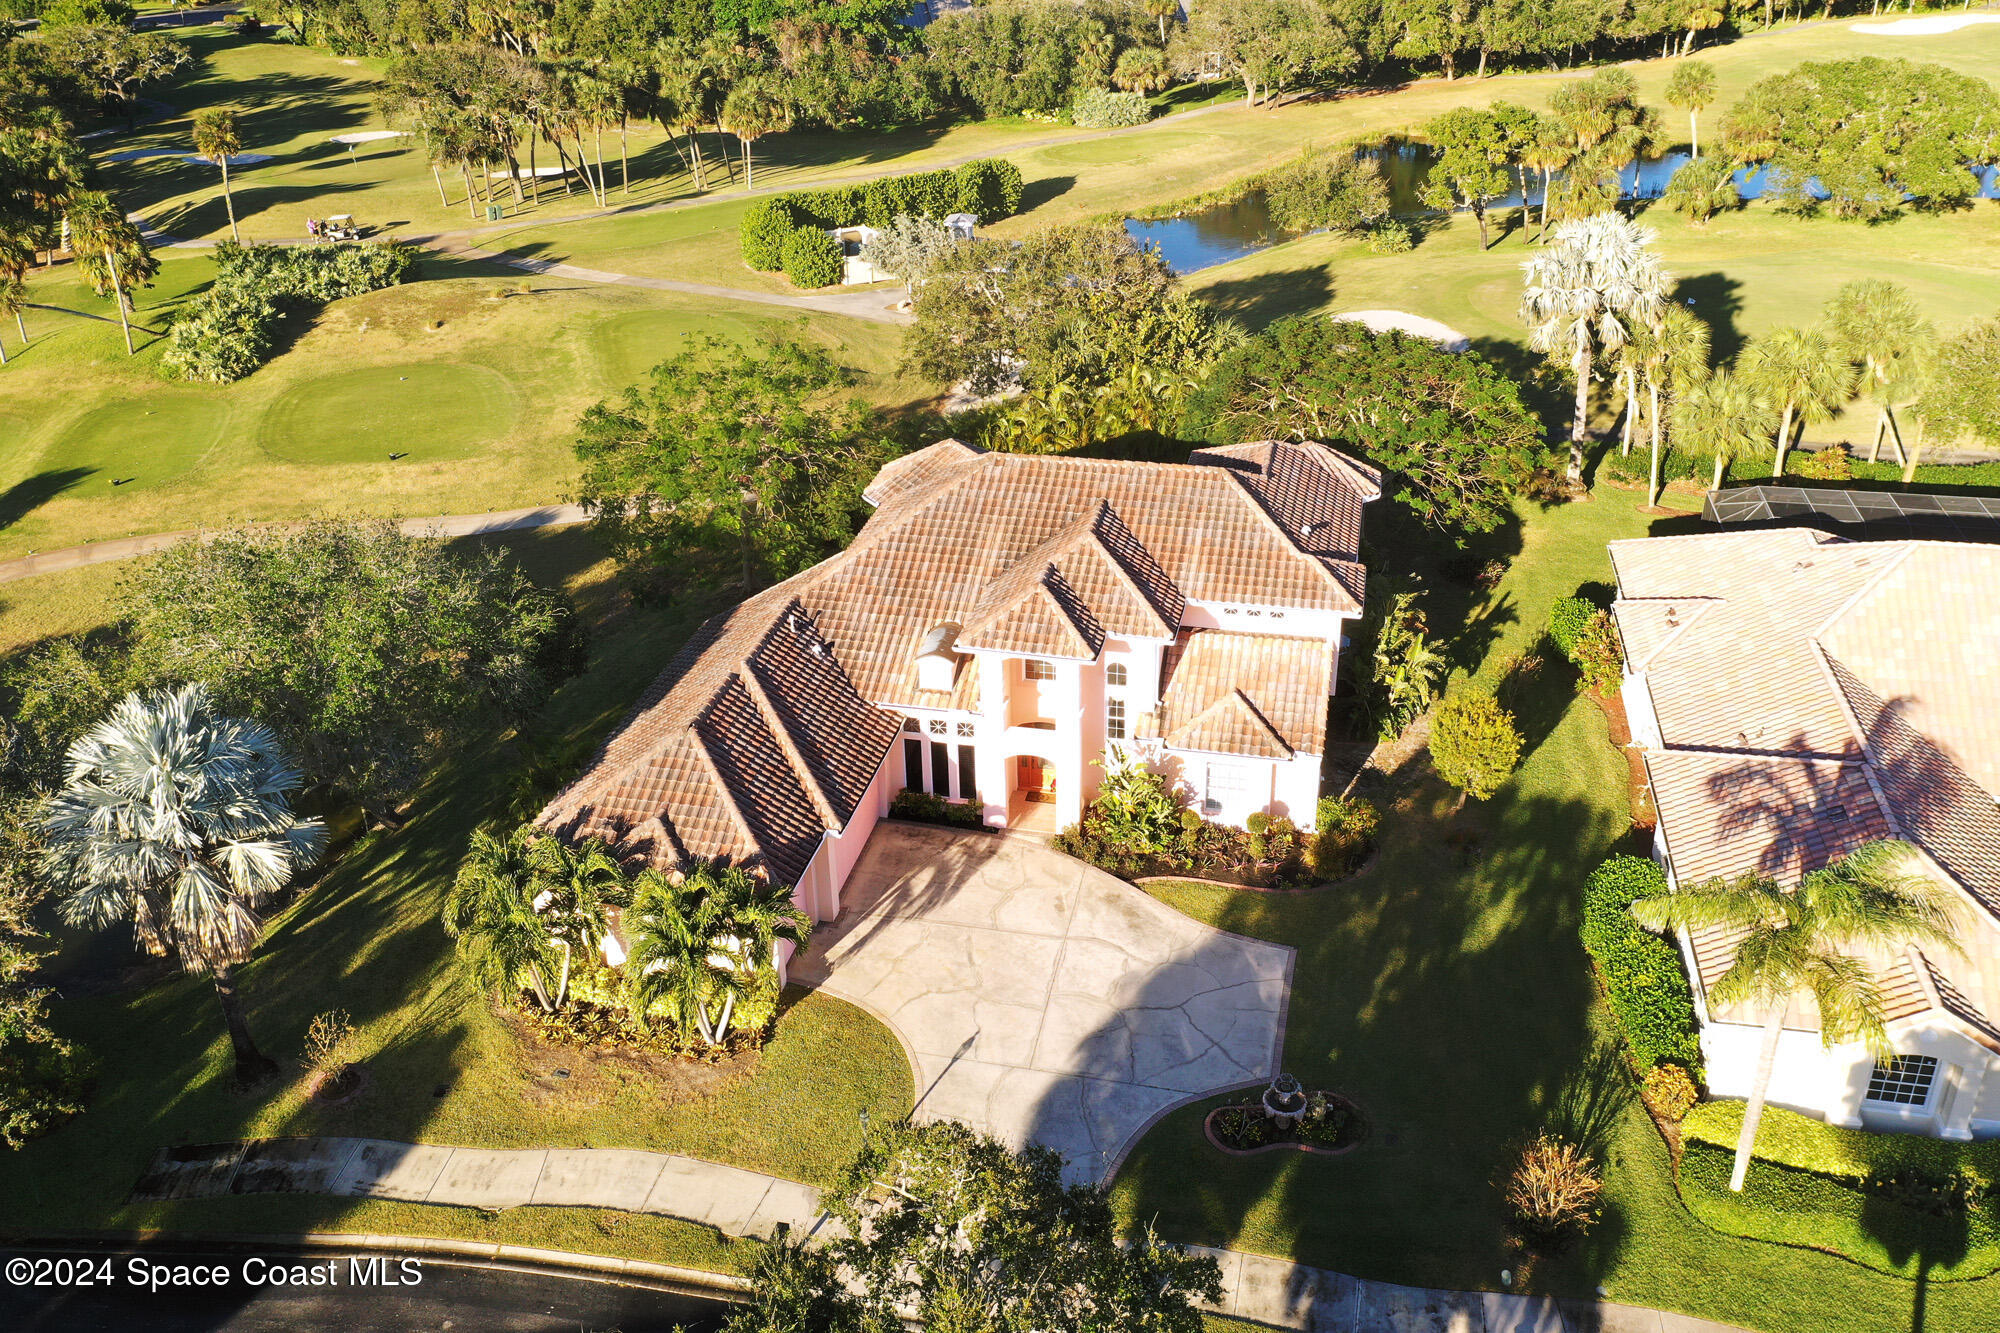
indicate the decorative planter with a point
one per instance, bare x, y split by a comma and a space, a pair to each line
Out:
1359, 1123
1285, 1101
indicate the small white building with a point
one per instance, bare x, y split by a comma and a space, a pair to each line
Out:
1002, 627
1798, 695
853, 240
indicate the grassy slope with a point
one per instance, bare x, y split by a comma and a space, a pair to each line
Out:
365, 938
484, 404
1459, 943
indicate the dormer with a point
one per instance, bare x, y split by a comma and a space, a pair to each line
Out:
937, 658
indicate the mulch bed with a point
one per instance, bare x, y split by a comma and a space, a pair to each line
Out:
1645, 815
1357, 1132
585, 1075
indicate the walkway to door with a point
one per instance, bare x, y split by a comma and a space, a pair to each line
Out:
1041, 999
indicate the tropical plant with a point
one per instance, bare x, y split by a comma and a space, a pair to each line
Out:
1962, 396
1700, 189
1583, 297
1669, 355
1800, 376
1796, 942
1161, 11
1691, 87
1407, 667
1719, 416
217, 138
114, 255
1545, 148
177, 818
703, 941
753, 109
1554, 1190
502, 940
1143, 69
1877, 323
1474, 745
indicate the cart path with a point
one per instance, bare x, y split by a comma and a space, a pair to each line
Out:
736, 1202
443, 525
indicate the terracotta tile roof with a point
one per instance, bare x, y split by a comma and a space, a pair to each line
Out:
1826, 693
1255, 694
764, 733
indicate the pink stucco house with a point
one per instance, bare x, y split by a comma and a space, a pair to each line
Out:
1001, 622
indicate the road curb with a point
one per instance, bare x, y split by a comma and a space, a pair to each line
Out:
670, 1278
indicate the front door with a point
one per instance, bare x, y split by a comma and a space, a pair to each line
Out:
1035, 779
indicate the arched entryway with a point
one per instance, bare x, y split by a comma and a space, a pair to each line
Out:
1032, 794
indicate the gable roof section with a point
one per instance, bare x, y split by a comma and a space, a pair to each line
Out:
1252, 694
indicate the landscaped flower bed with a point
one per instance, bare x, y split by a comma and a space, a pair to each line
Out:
1330, 1124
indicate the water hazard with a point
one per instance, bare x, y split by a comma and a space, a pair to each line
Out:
1229, 231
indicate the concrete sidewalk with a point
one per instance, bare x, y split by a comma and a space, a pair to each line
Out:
1263, 1290
444, 525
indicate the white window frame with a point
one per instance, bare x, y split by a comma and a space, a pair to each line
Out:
1895, 1083
1034, 668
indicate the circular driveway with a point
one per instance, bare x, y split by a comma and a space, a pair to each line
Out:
1042, 1000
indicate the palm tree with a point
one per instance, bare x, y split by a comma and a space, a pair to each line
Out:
1583, 296
217, 139
1691, 87
1161, 11
1669, 355
1546, 149
13, 300
1700, 190
1141, 69
1801, 376
754, 108
572, 887
674, 956
502, 939
1795, 942
1720, 416
755, 914
178, 819
111, 248
16, 258
1876, 323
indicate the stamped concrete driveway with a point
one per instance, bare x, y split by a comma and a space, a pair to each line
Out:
1042, 1000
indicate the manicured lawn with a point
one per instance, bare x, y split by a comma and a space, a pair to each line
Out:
477, 375
1444, 990
444, 1068
71, 602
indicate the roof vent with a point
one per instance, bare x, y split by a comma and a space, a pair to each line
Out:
819, 648
1674, 616
1307, 529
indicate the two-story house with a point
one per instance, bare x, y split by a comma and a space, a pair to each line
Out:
1798, 695
1001, 626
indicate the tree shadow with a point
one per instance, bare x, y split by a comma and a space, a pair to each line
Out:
1044, 188
31, 493
1717, 300
1537, 687
1261, 298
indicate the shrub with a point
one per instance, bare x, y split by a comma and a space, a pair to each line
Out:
1392, 237
1136, 825
1344, 838
1599, 655
1568, 618
329, 1043
226, 332
929, 808
767, 224
1337, 191
1100, 108
812, 258
1644, 984
989, 188
1554, 1191
1828, 464
1474, 745
1671, 1090
1791, 1139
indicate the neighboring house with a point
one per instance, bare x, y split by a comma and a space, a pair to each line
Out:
999, 622
1799, 695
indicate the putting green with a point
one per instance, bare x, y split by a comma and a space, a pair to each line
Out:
628, 346
1121, 148
137, 446
429, 411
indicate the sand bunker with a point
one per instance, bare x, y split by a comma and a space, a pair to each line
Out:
1924, 27
1380, 321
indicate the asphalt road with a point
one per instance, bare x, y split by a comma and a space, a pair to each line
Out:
361, 1293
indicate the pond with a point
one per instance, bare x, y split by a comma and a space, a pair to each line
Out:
1223, 232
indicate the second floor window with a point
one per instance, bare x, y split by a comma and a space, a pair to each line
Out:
1114, 719
1116, 674
1036, 670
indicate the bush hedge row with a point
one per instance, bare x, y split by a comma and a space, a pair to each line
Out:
988, 188
1795, 1140
1643, 980
226, 332
1900, 1226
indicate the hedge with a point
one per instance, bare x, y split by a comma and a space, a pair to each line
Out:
813, 259
1796, 1140
1567, 620
226, 332
989, 189
1901, 1227
1643, 980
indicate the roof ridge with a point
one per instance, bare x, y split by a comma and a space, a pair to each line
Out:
766, 706
1707, 604
1044, 584
1106, 511
1257, 505
1235, 700
727, 798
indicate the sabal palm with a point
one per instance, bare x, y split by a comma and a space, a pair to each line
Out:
1585, 294
1547, 149
1668, 355
753, 109
217, 138
13, 300
1802, 378
1699, 190
1877, 324
98, 232
490, 912
1797, 942
178, 818
1721, 417
1161, 11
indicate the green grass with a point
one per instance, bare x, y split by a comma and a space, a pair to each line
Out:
479, 375
445, 1069
1445, 991
70, 602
